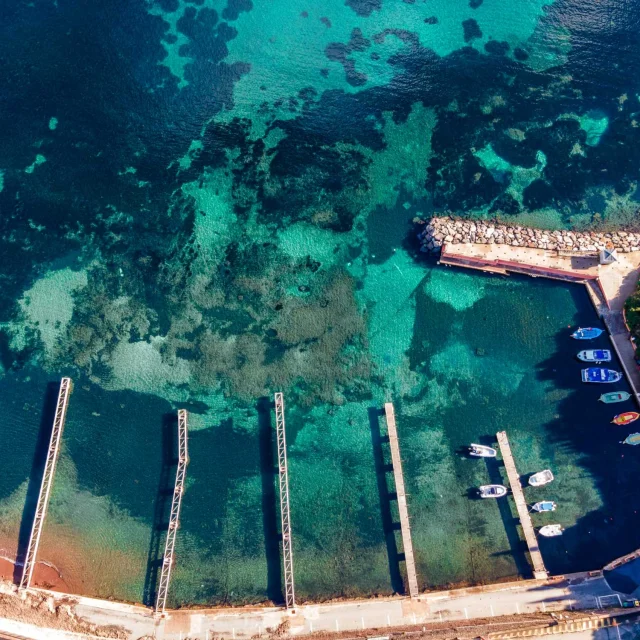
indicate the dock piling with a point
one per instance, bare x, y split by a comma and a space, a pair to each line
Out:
539, 570
66, 387
405, 527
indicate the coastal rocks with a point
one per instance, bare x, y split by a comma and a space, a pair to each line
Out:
444, 229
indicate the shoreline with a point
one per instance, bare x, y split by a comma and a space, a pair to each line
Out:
508, 601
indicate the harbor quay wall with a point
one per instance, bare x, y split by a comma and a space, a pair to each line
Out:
440, 230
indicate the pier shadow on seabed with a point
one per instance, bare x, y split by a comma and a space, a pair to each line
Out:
383, 467
35, 476
162, 507
270, 516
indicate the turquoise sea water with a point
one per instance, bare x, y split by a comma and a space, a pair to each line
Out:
213, 201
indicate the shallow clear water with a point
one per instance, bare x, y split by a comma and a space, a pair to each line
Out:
214, 201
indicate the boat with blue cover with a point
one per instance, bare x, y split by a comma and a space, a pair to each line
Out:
544, 506
595, 355
587, 333
597, 374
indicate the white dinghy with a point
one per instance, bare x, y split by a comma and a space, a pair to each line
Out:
551, 530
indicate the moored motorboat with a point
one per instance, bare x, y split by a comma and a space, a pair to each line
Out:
614, 396
588, 333
626, 418
633, 439
492, 491
541, 478
544, 506
551, 530
597, 374
595, 355
481, 451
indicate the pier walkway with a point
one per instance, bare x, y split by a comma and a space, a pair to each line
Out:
174, 518
402, 500
539, 570
351, 618
66, 387
287, 546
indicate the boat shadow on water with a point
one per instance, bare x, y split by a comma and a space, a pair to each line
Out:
35, 476
605, 471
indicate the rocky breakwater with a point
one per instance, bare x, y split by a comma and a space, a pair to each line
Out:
433, 234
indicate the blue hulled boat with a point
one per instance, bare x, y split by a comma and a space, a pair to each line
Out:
597, 374
588, 333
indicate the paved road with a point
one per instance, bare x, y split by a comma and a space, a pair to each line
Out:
362, 617
522, 597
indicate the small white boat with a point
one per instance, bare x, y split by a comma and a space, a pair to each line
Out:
595, 355
551, 530
541, 478
492, 491
481, 451
544, 506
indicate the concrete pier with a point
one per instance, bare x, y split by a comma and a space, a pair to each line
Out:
539, 570
402, 500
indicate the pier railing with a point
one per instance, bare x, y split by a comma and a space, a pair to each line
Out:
47, 482
287, 549
174, 518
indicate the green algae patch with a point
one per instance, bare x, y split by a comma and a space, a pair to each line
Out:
461, 291
46, 309
303, 239
406, 156
40, 159
594, 124
140, 366
519, 178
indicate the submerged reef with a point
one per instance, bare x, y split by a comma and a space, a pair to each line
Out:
202, 203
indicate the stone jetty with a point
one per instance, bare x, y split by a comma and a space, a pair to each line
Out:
441, 230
